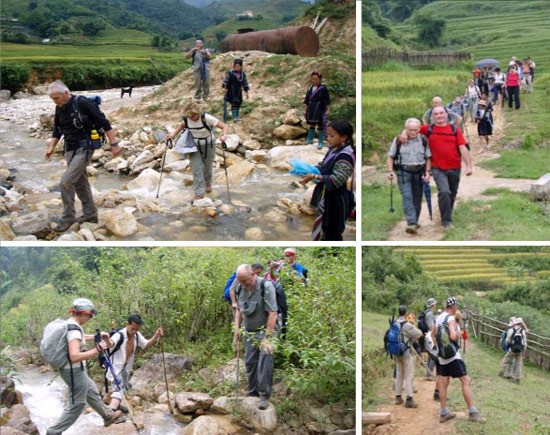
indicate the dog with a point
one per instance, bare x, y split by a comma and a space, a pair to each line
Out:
127, 90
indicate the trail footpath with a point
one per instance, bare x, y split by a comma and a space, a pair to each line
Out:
471, 188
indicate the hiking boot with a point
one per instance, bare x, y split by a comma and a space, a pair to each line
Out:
197, 197
208, 188
476, 417
436, 396
417, 225
92, 219
62, 227
113, 419
123, 409
398, 400
411, 229
515, 381
448, 416
410, 403
263, 403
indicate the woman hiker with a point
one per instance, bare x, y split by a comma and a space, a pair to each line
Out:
484, 119
201, 126
234, 83
331, 195
317, 103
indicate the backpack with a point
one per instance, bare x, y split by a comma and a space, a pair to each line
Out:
393, 339
228, 284
86, 123
53, 346
516, 343
280, 298
446, 348
503, 344
453, 133
397, 156
422, 322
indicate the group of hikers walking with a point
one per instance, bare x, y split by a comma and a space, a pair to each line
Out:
440, 336
81, 123
260, 318
436, 145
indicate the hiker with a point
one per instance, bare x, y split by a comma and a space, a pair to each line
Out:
331, 195
273, 269
452, 117
526, 68
446, 335
74, 373
257, 314
500, 80
123, 345
317, 102
456, 106
448, 146
201, 126
532, 66
484, 119
429, 321
412, 162
516, 339
507, 360
290, 261
512, 86
472, 94
200, 64
405, 363
234, 83
74, 118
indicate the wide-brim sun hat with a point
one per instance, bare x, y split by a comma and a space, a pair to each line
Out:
512, 321
430, 302
83, 304
518, 321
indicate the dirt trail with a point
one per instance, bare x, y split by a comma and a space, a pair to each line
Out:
471, 188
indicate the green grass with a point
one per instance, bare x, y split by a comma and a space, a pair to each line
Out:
510, 216
377, 221
520, 164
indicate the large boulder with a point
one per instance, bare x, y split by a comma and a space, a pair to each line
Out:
236, 173
232, 141
147, 183
6, 233
119, 222
188, 402
18, 417
289, 132
141, 162
4, 95
36, 223
263, 421
280, 155
9, 396
204, 425
291, 117
149, 374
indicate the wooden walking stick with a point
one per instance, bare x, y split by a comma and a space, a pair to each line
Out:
165, 376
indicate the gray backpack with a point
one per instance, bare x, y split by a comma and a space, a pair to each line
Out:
53, 346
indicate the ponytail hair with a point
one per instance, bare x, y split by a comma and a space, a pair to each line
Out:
343, 128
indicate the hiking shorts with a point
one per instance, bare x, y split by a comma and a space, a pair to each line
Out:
455, 369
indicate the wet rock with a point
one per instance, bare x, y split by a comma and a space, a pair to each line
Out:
285, 132
25, 239
6, 430
254, 234
291, 117
280, 155
149, 374
232, 141
163, 399
252, 144
236, 173
6, 233
87, 234
204, 425
91, 171
171, 157
257, 155
141, 161
9, 396
20, 95
18, 417
70, 237
5, 95
147, 183
192, 401
178, 166
119, 222
112, 165
36, 223
262, 421
204, 202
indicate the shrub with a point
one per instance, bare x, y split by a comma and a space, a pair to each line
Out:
14, 75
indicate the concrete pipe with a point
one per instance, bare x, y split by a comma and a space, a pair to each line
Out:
301, 40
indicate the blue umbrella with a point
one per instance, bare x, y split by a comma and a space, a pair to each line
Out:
487, 62
428, 195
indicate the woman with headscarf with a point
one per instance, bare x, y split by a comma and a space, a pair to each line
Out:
234, 83
317, 103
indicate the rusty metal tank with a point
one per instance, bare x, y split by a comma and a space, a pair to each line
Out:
300, 40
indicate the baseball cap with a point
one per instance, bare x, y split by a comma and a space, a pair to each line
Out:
289, 251
451, 302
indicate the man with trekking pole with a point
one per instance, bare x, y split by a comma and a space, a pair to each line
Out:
122, 347
257, 315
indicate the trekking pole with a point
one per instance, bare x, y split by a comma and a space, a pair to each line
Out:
168, 146
238, 363
224, 147
116, 380
422, 362
391, 196
165, 376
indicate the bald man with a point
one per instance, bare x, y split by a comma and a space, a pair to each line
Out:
452, 117
257, 314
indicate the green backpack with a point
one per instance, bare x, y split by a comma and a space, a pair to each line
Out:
446, 347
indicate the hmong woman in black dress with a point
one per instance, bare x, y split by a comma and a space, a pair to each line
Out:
331, 196
317, 103
234, 83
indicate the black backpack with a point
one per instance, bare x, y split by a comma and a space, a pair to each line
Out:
516, 343
280, 297
82, 121
422, 322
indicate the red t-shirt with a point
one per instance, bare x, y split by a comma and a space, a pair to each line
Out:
512, 79
444, 146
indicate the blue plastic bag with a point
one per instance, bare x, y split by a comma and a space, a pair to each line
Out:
301, 168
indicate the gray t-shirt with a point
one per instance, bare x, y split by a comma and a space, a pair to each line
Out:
255, 309
451, 116
411, 152
429, 319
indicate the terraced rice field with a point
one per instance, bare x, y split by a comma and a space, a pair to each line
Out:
448, 264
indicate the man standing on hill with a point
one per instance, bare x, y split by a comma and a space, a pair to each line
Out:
448, 146
200, 63
74, 119
447, 336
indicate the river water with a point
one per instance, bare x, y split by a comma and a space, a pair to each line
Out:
44, 397
257, 195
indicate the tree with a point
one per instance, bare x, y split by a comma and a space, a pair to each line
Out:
430, 29
220, 35
92, 28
